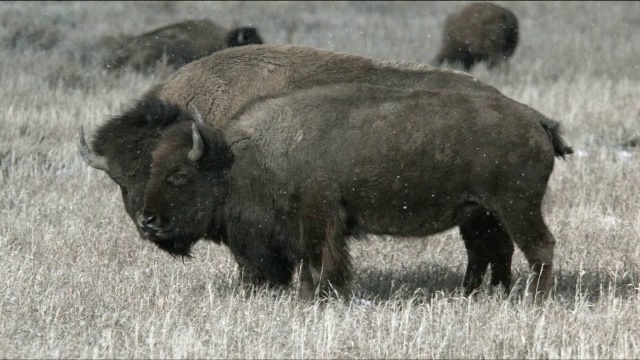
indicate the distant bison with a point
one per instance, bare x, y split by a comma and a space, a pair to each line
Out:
224, 83
301, 173
181, 43
480, 32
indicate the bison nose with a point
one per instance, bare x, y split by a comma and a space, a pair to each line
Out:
149, 221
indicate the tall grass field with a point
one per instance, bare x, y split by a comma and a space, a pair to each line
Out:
76, 280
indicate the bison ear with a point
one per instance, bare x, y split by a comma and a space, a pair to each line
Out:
196, 152
90, 157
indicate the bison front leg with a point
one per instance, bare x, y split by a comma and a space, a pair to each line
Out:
326, 268
487, 243
260, 254
265, 268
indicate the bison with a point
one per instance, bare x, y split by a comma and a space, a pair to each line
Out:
302, 172
480, 32
222, 84
181, 43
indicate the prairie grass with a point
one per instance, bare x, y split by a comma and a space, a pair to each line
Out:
77, 281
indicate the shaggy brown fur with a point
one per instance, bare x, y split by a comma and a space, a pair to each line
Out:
181, 43
346, 160
223, 83
480, 32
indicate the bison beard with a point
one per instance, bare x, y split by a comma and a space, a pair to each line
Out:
176, 246
172, 240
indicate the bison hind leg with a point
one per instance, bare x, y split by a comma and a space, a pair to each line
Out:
526, 226
487, 243
326, 268
329, 273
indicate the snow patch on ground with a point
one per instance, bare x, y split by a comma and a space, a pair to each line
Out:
363, 302
610, 221
621, 154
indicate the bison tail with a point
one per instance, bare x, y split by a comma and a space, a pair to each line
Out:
560, 148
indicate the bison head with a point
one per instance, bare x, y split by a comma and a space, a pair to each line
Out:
122, 147
187, 188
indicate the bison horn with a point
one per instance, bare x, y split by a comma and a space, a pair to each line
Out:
198, 146
196, 113
91, 158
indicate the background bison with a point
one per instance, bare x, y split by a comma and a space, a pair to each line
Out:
180, 43
297, 174
480, 32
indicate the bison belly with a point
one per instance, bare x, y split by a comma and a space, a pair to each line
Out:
399, 210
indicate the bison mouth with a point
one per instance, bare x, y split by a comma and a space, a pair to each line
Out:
174, 245
168, 240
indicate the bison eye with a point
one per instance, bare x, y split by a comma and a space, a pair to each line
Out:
178, 179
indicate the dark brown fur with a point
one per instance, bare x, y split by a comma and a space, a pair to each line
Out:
222, 84
346, 160
225, 82
181, 43
480, 32
126, 140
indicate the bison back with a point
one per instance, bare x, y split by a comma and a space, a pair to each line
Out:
399, 156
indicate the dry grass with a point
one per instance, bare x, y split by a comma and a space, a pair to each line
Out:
76, 281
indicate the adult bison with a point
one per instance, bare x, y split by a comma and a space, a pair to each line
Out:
222, 84
181, 43
480, 32
300, 173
